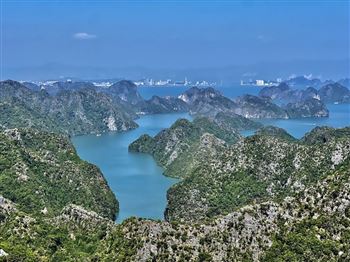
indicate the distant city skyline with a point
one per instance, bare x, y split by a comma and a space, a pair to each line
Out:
133, 39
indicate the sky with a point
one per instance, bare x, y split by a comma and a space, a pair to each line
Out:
162, 37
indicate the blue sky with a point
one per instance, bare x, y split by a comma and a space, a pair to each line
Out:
173, 34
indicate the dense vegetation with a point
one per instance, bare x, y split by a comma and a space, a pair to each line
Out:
177, 147
329, 93
268, 197
310, 223
42, 173
220, 177
81, 111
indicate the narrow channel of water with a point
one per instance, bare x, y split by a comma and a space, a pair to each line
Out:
136, 180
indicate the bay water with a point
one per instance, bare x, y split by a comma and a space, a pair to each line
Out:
137, 180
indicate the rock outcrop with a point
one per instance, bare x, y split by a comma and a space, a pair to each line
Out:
71, 112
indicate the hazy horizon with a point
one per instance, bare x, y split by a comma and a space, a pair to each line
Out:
217, 40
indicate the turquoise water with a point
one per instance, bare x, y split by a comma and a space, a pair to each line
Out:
135, 178
339, 116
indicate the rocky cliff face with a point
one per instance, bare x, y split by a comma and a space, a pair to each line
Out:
209, 102
126, 91
206, 101
307, 108
285, 200
71, 112
329, 93
255, 107
284, 93
259, 167
334, 93
159, 105
312, 225
268, 165
174, 148
235, 122
41, 173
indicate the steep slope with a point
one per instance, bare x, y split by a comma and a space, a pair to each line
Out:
251, 106
207, 101
14, 113
286, 94
258, 167
54, 87
329, 93
158, 105
86, 111
334, 93
31, 86
307, 108
41, 173
176, 148
312, 224
304, 104
279, 92
72, 112
125, 90
220, 178
235, 122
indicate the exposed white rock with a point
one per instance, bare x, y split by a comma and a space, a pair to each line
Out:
184, 98
6, 204
3, 253
13, 134
337, 156
111, 123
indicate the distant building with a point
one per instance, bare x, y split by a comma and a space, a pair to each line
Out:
260, 82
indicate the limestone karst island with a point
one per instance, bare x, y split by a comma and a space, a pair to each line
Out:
174, 131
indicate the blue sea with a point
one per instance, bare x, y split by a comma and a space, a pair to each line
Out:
136, 179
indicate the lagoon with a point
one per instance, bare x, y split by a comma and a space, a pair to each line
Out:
135, 178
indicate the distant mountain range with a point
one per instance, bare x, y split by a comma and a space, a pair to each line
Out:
301, 82
266, 197
83, 108
329, 93
74, 112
